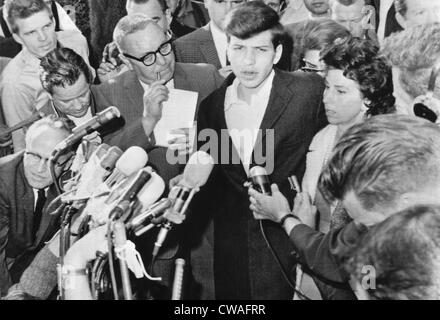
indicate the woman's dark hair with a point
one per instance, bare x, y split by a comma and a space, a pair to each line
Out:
359, 60
322, 33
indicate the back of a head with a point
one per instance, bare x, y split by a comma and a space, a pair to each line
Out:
251, 18
162, 3
404, 251
22, 9
414, 51
62, 67
319, 34
383, 158
361, 62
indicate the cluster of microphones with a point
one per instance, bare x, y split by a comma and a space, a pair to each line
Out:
108, 185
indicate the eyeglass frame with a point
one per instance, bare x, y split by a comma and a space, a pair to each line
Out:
47, 160
142, 59
309, 69
420, 109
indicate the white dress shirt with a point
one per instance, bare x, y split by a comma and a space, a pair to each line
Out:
244, 120
220, 42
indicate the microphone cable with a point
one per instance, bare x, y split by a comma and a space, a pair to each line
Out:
283, 271
110, 260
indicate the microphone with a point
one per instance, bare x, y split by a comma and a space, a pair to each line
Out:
131, 161
132, 190
195, 175
260, 180
120, 239
108, 161
93, 124
178, 280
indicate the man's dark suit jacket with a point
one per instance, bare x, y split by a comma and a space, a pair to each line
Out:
229, 257
197, 47
16, 220
391, 24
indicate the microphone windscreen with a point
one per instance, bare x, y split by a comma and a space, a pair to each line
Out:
132, 160
109, 160
257, 171
197, 170
151, 191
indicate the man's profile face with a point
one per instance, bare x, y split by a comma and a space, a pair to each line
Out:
37, 33
422, 12
37, 154
350, 16
73, 100
252, 59
317, 7
152, 10
217, 10
142, 42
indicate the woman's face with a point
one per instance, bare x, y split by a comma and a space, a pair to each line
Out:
342, 99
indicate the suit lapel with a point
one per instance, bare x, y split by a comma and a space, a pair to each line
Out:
280, 96
25, 216
134, 90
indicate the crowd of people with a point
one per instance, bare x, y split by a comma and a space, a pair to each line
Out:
339, 95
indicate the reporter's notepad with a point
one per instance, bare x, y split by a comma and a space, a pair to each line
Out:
177, 112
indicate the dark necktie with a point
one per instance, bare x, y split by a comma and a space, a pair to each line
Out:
38, 212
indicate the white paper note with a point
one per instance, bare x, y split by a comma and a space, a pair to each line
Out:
177, 112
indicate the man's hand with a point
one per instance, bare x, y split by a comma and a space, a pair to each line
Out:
303, 209
268, 207
153, 99
111, 63
182, 140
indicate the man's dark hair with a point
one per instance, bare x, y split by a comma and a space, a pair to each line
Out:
62, 67
162, 3
360, 61
404, 251
381, 159
22, 9
251, 18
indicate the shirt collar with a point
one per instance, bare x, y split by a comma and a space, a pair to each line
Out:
216, 32
263, 93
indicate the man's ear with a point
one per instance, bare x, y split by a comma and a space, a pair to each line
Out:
125, 61
17, 38
278, 53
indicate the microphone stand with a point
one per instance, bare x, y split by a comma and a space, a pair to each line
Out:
120, 239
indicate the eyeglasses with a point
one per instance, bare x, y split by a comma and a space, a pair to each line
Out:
150, 57
420, 109
310, 67
36, 159
232, 2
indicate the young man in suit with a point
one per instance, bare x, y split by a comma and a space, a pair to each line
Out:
26, 189
258, 111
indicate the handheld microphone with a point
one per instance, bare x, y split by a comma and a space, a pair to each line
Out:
131, 161
195, 175
108, 161
260, 180
132, 190
79, 132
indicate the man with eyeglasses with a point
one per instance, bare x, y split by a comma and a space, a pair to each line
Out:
208, 44
26, 189
140, 92
21, 92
